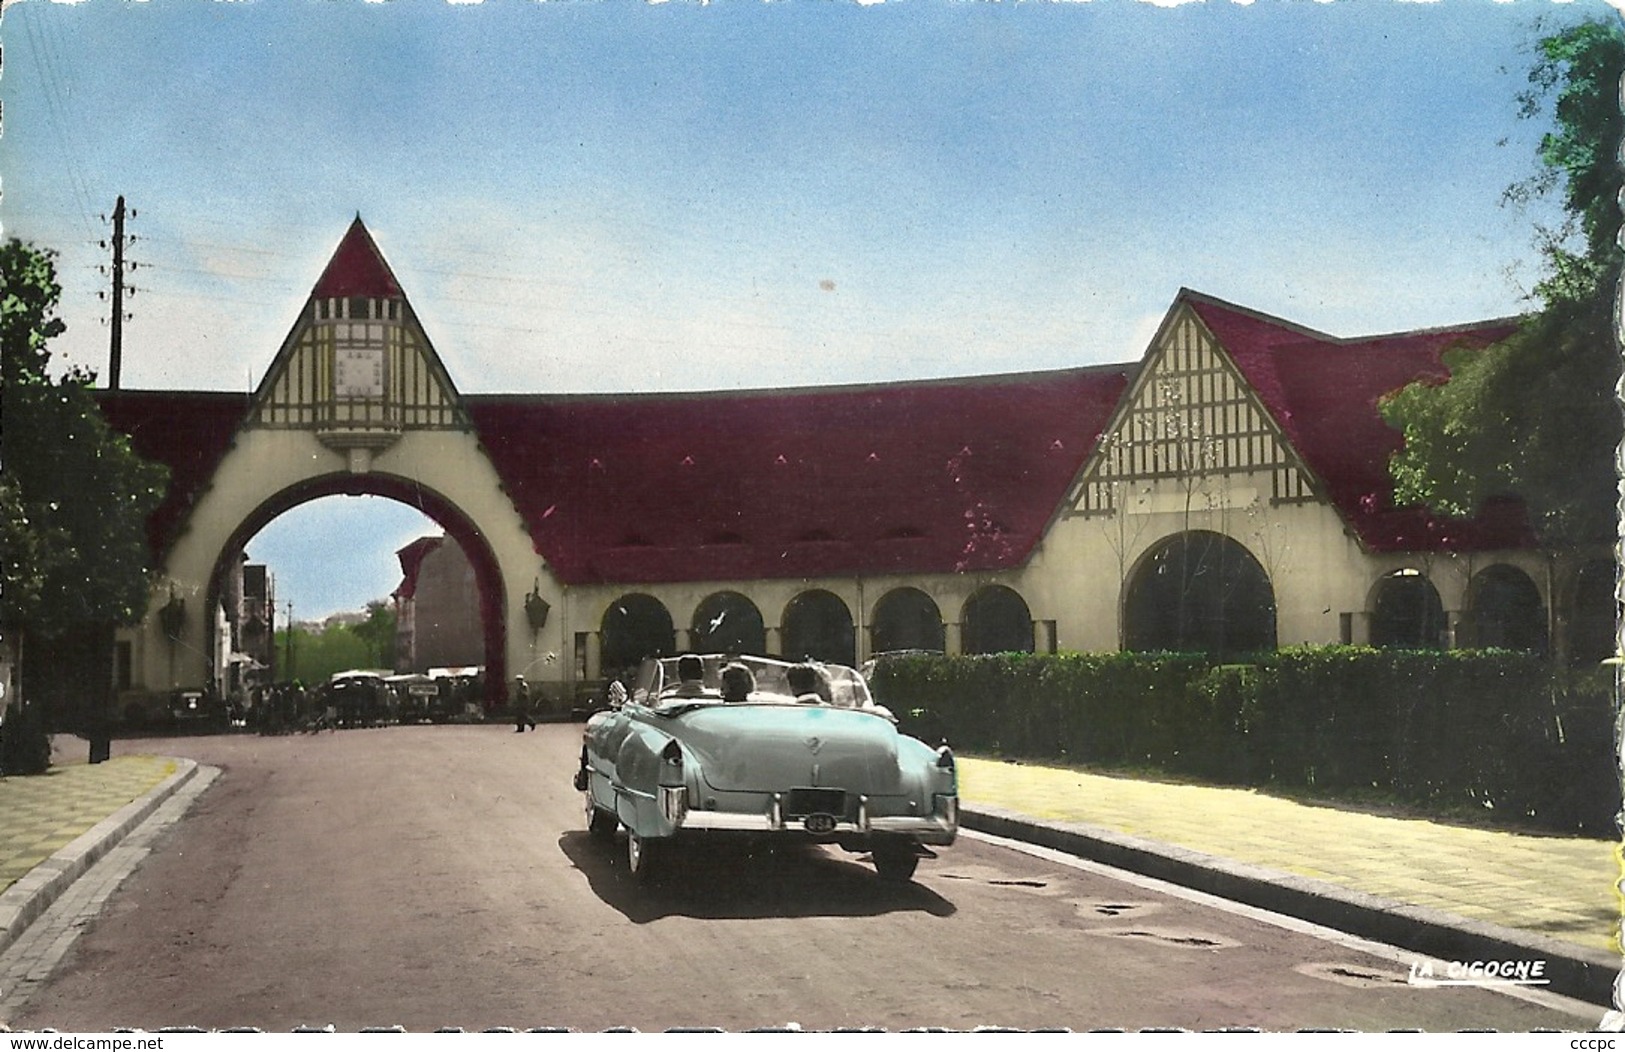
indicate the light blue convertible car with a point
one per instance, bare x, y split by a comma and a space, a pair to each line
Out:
713, 745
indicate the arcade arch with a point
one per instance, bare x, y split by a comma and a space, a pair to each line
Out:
1199, 591
818, 625
634, 627
728, 623
906, 619
1406, 612
1506, 610
996, 621
1592, 634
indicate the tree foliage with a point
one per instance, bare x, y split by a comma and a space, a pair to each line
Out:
1535, 417
316, 655
74, 498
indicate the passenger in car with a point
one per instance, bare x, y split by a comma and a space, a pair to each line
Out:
737, 682
803, 681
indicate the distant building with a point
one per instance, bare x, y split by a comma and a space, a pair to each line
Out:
437, 608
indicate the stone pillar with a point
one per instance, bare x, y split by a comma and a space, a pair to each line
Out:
774, 641
953, 637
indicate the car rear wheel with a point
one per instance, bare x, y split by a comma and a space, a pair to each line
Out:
896, 862
644, 858
600, 823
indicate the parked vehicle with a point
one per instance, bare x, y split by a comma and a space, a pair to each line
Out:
416, 697
675, 763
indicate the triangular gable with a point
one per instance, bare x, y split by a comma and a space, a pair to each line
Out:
1323, 392
357, 358
1190, 415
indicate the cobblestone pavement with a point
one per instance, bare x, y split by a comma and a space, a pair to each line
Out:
1560, 887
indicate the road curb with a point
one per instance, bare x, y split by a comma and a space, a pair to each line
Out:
1573, 971
23, 902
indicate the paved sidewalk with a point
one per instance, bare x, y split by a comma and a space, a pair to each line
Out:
1441, 885
55, 826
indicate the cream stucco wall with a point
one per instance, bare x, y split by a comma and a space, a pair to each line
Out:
264, 463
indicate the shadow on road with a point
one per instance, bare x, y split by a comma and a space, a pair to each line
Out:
733, 879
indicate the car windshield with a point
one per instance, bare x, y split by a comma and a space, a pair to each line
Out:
659, 684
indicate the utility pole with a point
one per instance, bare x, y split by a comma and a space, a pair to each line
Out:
116, 349
290, 630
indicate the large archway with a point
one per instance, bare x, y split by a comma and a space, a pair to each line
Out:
818, 625
996, 621
1202, 592
906, 619
487, 574
1507, 611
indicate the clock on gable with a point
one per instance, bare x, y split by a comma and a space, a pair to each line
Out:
358, 371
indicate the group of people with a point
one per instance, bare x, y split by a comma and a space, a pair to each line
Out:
739, 682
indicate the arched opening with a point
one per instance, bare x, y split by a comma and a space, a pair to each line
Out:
459, 529
1199, 592
997, 621
818, 625
906, 619
1506, 610
1595, 611
728, 623
1406, 612
634, 627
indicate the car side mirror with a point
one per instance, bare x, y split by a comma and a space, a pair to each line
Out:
617, 694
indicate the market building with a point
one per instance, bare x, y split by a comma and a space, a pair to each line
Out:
1227, 492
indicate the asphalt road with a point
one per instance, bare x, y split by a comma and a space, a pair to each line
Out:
441, 877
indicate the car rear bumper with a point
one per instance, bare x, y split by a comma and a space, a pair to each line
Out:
939, 827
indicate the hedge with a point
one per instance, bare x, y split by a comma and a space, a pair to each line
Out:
1497, 732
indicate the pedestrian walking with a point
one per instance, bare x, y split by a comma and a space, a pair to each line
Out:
521, 706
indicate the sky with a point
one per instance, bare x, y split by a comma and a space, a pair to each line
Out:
618, 196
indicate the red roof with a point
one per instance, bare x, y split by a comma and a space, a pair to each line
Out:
928, 477
357, 269
411, 558
1324, 391
921, 477
189, 431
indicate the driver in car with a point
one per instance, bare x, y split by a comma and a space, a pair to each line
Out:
803, 681
690, 679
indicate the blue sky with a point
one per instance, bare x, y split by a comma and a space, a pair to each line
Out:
620, 196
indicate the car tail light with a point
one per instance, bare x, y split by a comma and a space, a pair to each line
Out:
674, 803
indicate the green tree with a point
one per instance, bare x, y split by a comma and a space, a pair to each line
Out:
1534, 416
378, 632
74, 498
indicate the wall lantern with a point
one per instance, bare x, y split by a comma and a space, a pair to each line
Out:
172, 617
536, 608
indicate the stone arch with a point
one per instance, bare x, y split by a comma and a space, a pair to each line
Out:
1406, 612
1506, 610
634, 627
728, 623
817, 624
906, 619
1199, 591
996, 620
458, 526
